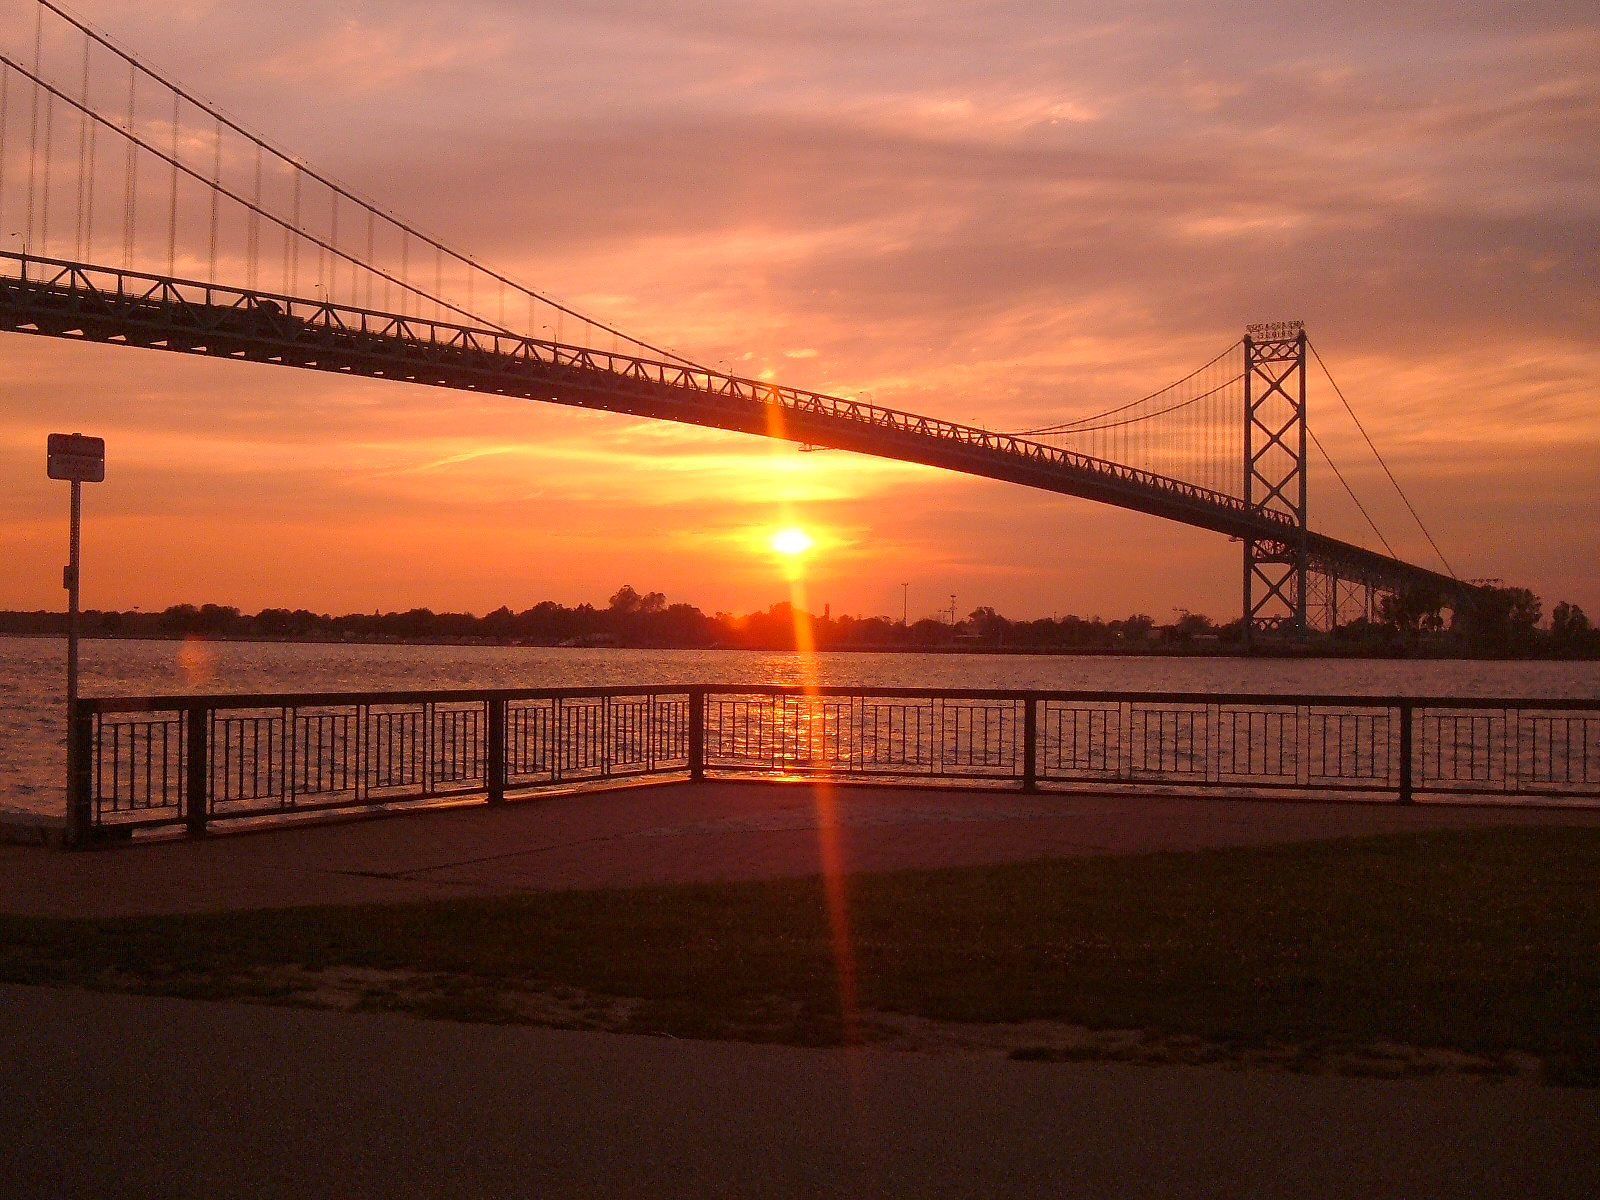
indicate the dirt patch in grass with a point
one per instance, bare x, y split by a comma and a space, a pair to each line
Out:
465, 998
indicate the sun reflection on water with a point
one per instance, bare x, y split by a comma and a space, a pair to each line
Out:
196, 661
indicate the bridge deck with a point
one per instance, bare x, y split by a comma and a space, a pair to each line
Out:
63, 299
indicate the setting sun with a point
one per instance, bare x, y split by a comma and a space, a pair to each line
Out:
792, 541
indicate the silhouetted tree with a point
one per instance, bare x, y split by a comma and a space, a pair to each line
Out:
1568, 623
1500, 620
1188, 626
180, 618
1412, 610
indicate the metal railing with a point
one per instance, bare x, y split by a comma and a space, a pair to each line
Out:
191, 760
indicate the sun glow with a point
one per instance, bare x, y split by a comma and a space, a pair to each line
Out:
791, 541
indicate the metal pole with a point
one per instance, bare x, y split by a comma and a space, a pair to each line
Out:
1030, 744
697, 734
494, 751
75, 803
1407, 753
196, 769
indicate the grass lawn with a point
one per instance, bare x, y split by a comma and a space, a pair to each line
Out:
1485, 942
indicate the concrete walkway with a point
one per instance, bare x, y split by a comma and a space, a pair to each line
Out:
117, 1096
113, 1096
674, 833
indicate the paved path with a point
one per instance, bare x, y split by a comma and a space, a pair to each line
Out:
117, 1096
113, 1096
678, 832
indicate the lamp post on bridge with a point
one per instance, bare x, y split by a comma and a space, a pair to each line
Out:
79, 460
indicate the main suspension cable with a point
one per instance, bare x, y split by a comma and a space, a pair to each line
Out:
1339, 475
1401, 491
1069, 426
1076, 427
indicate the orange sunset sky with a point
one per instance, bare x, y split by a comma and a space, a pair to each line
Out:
1005, 213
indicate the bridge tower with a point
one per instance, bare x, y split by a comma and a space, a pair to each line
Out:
1275, 571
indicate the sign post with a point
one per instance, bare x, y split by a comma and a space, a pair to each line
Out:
79, 460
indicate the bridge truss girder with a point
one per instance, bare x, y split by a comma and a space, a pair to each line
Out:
120, 307
1334, 599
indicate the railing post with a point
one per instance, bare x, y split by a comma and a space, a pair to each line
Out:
494, 751
196, 770
1030, 744
1406, 779
697, 734
80, 779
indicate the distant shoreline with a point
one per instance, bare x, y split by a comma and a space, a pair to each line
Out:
1154, 650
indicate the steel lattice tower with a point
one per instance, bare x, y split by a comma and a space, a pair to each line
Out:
1275, 582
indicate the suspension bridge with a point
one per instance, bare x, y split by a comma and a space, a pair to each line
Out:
139, 214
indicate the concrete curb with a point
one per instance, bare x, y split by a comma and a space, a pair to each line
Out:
32, 829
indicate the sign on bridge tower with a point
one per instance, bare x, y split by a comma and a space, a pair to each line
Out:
1275, 583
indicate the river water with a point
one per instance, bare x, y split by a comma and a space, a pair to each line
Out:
33, 679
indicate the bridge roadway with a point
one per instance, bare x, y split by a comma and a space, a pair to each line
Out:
57, 298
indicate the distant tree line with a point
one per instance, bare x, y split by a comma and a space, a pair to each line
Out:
1506, 622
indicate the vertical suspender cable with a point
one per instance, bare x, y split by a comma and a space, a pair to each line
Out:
1226, 459
1210, 434
172, 201
130, 178
1177, 437
291, 242
5, 124
333, 238
33, 130
44, 198
216, 179
371, 251
1213, 479
84, 125
88, 196
405, 273
1213, 475
253, 230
